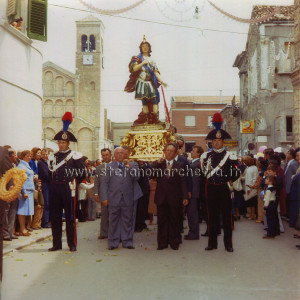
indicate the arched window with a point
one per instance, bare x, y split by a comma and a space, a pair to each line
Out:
59, 109
69, 89
84, 43
48, 84
92, 43
48, 109
50, 133
59, 86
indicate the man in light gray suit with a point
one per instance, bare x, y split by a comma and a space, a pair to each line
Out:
290, 170
137, 191
117, 191
99, 173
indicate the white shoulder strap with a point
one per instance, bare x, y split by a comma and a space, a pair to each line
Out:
69, 156
219, 166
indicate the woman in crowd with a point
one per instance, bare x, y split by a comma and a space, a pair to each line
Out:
26, 203
250, 195
257, 186
36, 156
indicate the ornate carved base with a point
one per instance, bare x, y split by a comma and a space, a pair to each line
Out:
147, 142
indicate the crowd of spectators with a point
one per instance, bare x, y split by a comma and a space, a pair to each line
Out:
267, 192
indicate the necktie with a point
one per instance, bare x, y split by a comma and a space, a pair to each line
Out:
169, 167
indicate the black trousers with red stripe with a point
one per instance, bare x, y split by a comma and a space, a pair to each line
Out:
61, 198
219, 203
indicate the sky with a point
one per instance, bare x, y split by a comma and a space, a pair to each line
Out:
194, 56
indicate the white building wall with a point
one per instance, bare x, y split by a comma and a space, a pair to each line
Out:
20, 87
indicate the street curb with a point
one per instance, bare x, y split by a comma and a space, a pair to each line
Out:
28, 244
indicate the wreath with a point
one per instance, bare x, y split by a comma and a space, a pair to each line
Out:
19, 177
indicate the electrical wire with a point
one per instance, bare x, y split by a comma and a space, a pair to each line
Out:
163, 23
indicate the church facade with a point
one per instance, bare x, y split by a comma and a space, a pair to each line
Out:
79, 93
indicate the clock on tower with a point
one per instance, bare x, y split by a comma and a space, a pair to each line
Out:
87, 59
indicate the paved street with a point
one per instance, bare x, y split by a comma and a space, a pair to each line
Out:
258, 268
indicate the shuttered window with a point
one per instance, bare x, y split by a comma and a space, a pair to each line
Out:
11, 7
13, 11
37, 19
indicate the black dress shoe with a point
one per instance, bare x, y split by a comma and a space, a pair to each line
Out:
130, 247
175, 247
6, 239
229, 249
204, 234
111, 248
186, 237
14, 237
54, 248
161, 248
73, 249
209, 247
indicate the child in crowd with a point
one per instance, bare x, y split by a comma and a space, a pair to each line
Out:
272, 170
91, 200
270, 206
38, 207
83, 187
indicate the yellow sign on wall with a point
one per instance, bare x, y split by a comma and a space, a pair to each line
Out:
231, 143
247, 126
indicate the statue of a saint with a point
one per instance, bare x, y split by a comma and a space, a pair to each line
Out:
145, 80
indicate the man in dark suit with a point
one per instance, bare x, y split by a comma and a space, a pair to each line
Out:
117, 191
5, 165
99, 173
192, 208
44, 176
170, 192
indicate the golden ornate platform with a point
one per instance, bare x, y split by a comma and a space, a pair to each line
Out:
147, 142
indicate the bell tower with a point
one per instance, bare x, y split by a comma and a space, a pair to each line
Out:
89, 65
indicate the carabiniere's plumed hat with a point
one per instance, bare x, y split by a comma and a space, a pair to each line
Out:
218, 133
64, 134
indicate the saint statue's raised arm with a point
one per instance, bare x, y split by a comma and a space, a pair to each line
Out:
145, 80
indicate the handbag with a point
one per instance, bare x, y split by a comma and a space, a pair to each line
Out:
237, 185
253, 192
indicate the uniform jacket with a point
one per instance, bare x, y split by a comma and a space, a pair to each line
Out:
289, 172
119, 183
229, 171
170, 189
73, 168
29, 183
